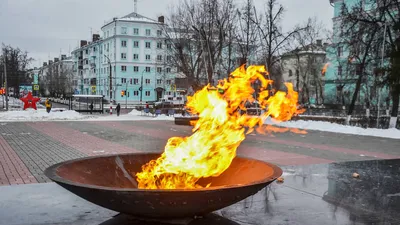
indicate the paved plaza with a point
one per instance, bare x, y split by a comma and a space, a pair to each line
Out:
27, 148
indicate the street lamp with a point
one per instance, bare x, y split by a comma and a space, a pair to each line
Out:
141, 87
109, 62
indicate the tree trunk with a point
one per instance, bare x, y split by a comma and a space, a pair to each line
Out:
354, 99
395, 108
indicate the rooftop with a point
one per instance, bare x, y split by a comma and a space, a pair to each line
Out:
133, 17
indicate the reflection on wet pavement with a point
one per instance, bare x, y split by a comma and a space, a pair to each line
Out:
315, 194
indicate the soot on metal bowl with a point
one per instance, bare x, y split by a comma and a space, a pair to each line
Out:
107, 181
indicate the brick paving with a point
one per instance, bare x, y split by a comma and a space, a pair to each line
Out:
35, 150
12, 169
26, 149
83, 142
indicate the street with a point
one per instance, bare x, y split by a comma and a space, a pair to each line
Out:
27, 148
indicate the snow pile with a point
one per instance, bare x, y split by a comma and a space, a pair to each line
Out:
134, 115
39, 115
15, 103
135, 112
338, 128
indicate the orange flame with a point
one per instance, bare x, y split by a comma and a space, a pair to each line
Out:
323, 71
217, 134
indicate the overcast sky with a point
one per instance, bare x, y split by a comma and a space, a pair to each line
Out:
47, 27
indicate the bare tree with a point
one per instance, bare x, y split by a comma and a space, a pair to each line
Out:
17, 64
272, 39
246, 35
310, 58
363, 47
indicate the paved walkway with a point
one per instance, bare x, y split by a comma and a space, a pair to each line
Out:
27, 148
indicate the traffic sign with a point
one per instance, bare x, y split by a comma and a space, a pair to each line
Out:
36, 87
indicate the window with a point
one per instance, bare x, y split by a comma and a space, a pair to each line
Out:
87, 51
290, 73
147, 93
339, 71
159, 45
148, 69
159, 69
169, 46
135, 56
135, 93
86, 62
159, 81
148, 45
123, 55
148, 32
147, 57
124, 30
169, 58
340, 51
135, 81
135, 69
123, 80
159, 32
168, 70
136, 44
123, 43
159, 57
136, 31
168, 82
147, 81
123, 68
94, 49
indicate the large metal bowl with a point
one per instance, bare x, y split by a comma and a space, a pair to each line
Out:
101, 181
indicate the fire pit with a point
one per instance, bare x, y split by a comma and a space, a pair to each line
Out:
108, 181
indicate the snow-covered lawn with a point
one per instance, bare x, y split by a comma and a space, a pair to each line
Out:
338, 128
39, 115
134, 115
70, 115
57, 115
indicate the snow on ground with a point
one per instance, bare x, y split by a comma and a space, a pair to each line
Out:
338, 128
40, 115
134, 115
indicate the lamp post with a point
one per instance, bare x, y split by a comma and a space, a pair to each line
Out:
5, 79
382, 63
141, 88
109, 62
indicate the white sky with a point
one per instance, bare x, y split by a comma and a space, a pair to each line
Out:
47, 27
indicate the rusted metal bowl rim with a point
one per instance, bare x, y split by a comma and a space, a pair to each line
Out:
51, 172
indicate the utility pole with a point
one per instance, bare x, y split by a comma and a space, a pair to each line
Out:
111, 101
126, 96
382, 64
141, 88
5, 78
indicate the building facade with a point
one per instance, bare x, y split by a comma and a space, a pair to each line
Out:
303, 67
134, 48
344, 66
55, 77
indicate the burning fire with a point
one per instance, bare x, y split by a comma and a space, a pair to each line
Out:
217, 134
323, 71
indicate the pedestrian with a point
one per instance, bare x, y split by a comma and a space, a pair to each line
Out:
118, 109
47, 103
91, 108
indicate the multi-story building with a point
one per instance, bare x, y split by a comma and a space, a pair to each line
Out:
303, 68
134, 48
345, 67
55, 77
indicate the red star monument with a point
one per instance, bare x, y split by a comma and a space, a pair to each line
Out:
30, 101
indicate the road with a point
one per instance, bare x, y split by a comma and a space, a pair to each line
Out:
27, 148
